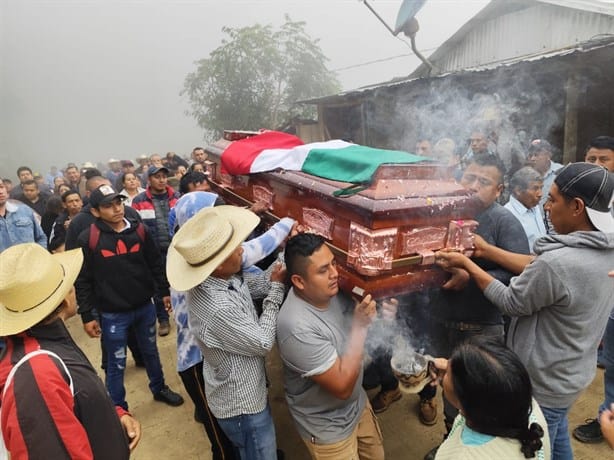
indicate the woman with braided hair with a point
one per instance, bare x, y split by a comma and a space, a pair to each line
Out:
498, 417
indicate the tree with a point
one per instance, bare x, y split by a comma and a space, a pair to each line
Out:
253, 79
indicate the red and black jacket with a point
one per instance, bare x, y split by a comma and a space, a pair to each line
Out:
40, 416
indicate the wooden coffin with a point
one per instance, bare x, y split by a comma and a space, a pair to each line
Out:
383, 237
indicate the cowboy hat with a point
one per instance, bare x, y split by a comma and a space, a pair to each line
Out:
204, 242
33, 283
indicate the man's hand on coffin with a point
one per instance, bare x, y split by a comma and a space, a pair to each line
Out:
458, 281
389, 309
278, 273
365, 311
449, 259
480, 247
259, 207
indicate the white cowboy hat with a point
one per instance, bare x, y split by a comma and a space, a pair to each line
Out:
204, 242
33, 283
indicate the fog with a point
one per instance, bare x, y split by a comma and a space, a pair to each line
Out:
89, 80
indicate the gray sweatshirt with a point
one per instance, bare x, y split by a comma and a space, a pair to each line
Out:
560, 304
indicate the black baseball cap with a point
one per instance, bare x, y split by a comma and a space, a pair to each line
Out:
594, 185
103, 195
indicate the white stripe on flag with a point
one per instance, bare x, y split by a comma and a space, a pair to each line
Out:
291, 159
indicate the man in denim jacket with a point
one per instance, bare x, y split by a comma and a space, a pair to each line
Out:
17, 223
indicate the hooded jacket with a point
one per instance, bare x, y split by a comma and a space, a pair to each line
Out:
560, 304
121, 274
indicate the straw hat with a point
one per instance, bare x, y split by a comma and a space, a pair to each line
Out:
33, 283
204, 242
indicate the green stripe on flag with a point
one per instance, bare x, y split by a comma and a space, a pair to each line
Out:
355, 164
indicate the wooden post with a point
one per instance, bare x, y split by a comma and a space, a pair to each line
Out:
570, 140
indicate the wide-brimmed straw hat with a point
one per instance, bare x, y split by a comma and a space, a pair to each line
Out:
33, 283
204, 242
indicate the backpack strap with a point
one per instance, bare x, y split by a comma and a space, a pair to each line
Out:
94, 237
140, 231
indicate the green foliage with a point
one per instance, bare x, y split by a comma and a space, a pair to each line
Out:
253, 78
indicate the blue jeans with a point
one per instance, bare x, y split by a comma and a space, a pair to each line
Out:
607, 358
115, 335
253, 435
558, 430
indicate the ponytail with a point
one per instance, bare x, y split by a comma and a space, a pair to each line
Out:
531, 440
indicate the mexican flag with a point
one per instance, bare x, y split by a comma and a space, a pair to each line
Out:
335, 159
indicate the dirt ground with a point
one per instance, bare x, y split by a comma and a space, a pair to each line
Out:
171, 432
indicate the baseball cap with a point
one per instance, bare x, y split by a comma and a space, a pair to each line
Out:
103, 195
127, 163
594, 185
537, 145
155, 170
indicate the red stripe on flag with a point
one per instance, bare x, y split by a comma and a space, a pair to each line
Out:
239, 156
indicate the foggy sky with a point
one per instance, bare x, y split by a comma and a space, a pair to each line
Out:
93, 79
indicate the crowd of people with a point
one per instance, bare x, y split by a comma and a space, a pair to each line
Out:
516, 327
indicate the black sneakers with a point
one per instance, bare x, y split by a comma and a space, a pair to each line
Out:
168, 396
590, 432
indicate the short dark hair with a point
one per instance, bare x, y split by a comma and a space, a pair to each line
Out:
197, 148
94, 182
67, 193
523, 178
30, 182
91, 172
23, 168
193, 177
54, 205
494, 389
486, 159
298, 249
601, 142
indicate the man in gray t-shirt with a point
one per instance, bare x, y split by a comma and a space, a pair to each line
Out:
321, 340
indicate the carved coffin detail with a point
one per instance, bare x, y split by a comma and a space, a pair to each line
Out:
318, 222
231, 182
460, 236
371, 251
422, 239
226, 180
210, 168
263, 195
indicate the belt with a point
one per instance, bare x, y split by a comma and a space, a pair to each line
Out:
460, 326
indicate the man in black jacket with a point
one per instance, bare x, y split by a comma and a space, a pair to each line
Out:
121, 272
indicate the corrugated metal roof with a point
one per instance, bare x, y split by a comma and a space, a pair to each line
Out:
595, 6
507, 28
578, 48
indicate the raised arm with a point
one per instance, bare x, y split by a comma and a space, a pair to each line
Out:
340, 378
512, 262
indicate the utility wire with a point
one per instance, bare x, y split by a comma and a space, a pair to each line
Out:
376, 61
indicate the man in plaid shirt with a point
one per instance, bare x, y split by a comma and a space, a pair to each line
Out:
204, 259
